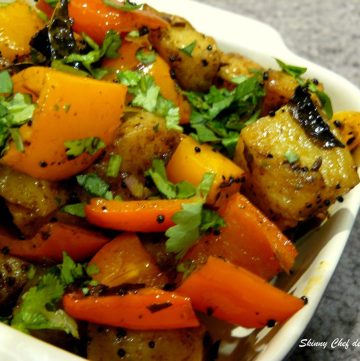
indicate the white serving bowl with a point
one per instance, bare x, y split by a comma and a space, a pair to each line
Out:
319, 252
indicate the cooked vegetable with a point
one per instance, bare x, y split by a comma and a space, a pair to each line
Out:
29, 200
52, 240
95, 18
248, 239
125, 260
14, 273
18, 23
148, 309
348, 125
233, 65
66, 104
191, 160
254, 303
146, 345
39, 306
141, 138
287, 192
305, 112
134, 216
193, 70
56, 40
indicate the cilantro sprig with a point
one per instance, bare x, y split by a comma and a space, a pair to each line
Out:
180, 190
219, 115
39, 307
147, 96
108, 49
296, 72
192, 220
15, 110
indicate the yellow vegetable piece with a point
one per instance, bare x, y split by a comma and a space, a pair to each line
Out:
68, 108
18, 23
191, 160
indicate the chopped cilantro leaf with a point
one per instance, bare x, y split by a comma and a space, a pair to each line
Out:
114, 165
39, 306
170, 190
94, 185
6, 84
69, 270
188, 49
192, 220
146, 56
205, 185
90, 145
210, 220
186, 230
126, 6
34, 313
147, 96
220, 115
108, 49
291, 156
76, 209
15, 111
133, 34
294, 71
60, 66
92, 269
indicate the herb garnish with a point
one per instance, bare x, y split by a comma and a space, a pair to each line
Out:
39, 308
94, 185
108, 49
15, 110
219, 115
145, 56
90, 145
147, 96
192, 220
296, 72
181, 190
114, 165
126, 6
76, 209
188, 49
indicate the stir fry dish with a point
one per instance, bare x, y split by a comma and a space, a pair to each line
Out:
150, 182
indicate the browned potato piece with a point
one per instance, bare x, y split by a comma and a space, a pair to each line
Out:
29, 200
13, 276
108, 344
292, 191
348, 123
195, 69
141, 138
234, 65
279, 88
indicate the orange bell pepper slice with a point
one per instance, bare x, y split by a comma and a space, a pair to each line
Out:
236, 295
125, 260
191, 160
148, 309
95, 18
249, 240
134, 216
52, 240
69, 108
